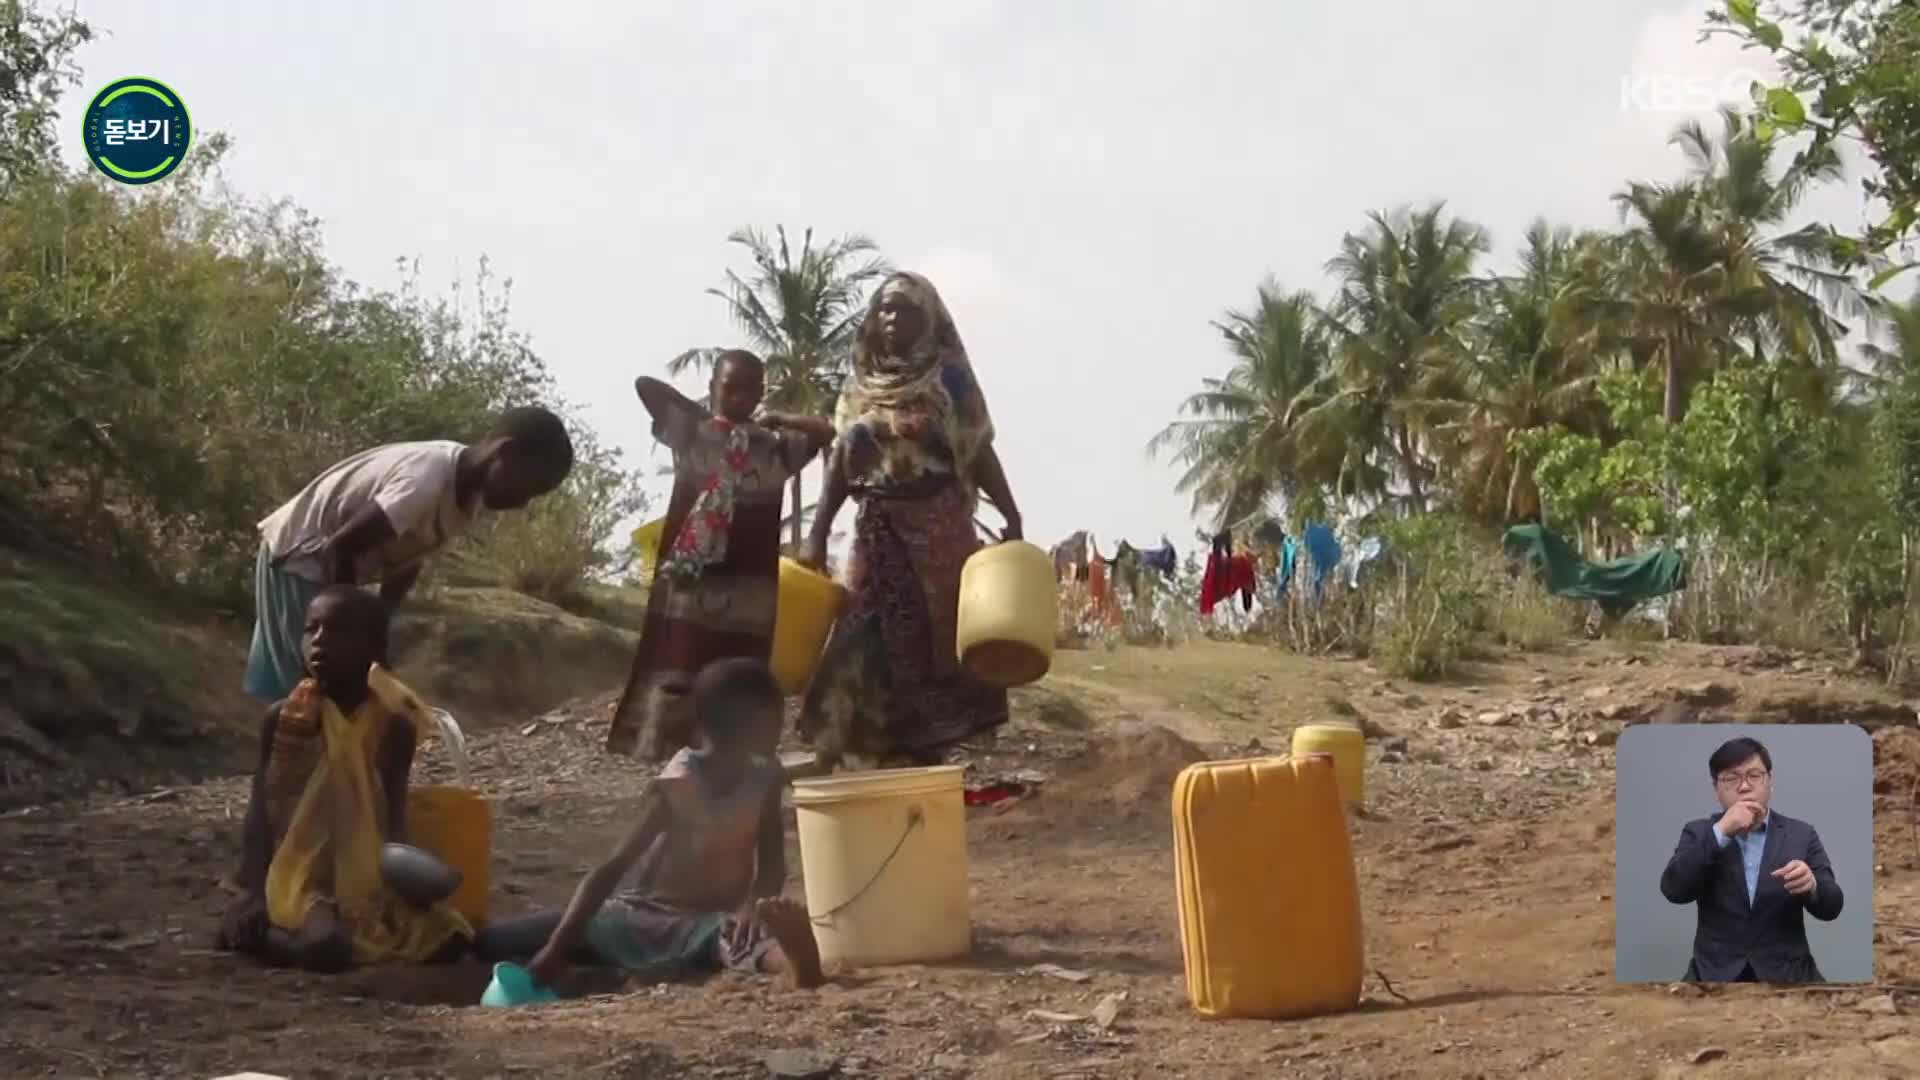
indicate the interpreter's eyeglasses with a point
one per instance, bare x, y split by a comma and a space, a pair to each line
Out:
1732, 779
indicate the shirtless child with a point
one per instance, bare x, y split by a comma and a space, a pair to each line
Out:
710, 854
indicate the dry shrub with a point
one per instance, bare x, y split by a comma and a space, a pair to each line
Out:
1527, 617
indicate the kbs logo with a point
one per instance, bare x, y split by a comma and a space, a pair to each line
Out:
1686, 93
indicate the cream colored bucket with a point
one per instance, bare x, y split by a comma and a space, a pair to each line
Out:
884, 857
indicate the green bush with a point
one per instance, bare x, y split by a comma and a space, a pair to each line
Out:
178, 363
1432, 596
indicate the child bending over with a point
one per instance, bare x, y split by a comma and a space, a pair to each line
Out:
330, 788
378, 516
710, 855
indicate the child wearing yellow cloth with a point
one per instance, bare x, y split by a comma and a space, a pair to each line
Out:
331, 787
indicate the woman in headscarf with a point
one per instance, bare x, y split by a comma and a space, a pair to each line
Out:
914, 449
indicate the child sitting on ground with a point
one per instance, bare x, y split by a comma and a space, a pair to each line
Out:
712, 860
330, 788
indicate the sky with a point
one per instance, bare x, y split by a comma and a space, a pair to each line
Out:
1089, 184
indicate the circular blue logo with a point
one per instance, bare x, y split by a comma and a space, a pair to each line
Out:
137, 130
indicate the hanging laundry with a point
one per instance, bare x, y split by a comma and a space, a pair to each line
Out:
1323, 551
1289, 553
1070, 557
1370, 550
1162, 560
1217, 575
1241, 579
1134, 567
1099, 595
1617, 585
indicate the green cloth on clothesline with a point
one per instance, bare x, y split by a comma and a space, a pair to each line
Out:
1617, 585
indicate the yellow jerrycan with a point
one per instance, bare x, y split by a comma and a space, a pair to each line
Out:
455, 822
808, 604
1268, 898
1009, 613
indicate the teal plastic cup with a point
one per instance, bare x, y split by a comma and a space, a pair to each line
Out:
513, 985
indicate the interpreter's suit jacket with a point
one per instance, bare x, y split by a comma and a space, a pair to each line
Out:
1770, 932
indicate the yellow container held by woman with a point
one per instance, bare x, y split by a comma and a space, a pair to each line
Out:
1009, 613
883, 856
809, 602
1348, 745
1269, 905
456, 823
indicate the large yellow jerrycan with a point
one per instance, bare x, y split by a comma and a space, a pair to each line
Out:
1009, 613
1269, 903
455, 822
809, 602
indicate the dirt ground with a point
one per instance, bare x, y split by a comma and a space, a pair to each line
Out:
1485, 860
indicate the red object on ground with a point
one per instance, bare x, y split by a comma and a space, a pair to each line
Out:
997, 791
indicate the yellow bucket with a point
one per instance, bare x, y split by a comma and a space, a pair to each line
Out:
1348, 747
884, 859
456, 823
809, 602
1009, 613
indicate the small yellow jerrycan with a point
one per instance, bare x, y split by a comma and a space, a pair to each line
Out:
455, 822
1009, 613
809, 602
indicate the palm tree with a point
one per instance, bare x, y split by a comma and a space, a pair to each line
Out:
1239, 438
1532, 365
1406, 293
1899, 360
1795, 275
1700, 279
801, 314
1665, 303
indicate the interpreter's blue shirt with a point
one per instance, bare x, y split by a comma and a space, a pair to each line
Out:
1752, 847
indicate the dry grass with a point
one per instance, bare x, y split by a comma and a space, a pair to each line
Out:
1528, 618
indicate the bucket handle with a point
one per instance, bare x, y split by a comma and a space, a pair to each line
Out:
914, 821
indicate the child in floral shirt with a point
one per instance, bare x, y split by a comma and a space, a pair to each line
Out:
718, 571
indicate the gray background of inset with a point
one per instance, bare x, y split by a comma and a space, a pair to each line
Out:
1822, 774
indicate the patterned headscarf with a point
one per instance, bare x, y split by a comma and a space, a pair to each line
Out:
933, 380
